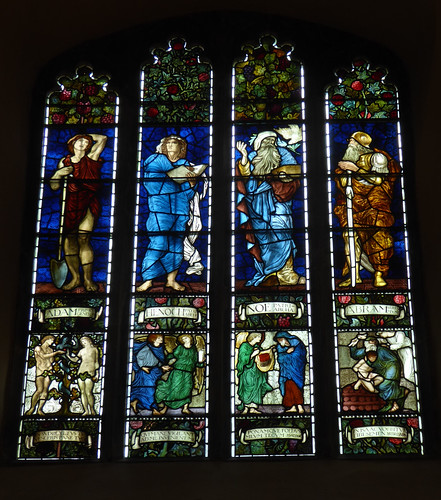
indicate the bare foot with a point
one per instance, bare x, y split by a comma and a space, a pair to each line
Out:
90, 286
175, 285
293, 409
253, 410
301, 410
74, 283
394, 408
144, 286
187, 411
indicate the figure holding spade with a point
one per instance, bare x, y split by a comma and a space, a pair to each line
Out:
78, 176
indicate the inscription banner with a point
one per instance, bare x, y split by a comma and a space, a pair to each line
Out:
273, 433
69, 312
166, 435
170, 312
59, 436
379, 431
271, 308
373, 309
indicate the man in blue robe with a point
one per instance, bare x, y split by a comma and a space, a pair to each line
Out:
266, 191
291, 355
169, 197
148, 366
387, 365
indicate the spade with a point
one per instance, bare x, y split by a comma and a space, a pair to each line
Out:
58, 266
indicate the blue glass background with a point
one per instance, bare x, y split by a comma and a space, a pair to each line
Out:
198, 151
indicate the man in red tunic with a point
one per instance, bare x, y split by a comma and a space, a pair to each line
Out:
82, 169
373, 173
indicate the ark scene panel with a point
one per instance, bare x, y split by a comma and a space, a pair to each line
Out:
273, 398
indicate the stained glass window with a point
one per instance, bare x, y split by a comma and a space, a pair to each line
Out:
378, 399
167, 398
63, 391
271, 363
245, 170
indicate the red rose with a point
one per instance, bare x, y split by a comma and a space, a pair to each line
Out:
395, 440
161, 300
199, 426
412, 422
203, 77
359, 62
377, 75
357, 85
283, 63
107, 119
199, 302
283, 322
178, 46
337, 100
172, 89
58, 118
91, 90
65, 95
387, 96
393, 114
344, 299
357, 422
150, 326
152, 112
135, 424
399, 299
84, 108
191, 62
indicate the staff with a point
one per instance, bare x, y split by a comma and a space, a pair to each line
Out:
351, 237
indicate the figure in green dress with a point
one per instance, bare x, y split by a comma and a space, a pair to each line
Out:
252, 381
176, 391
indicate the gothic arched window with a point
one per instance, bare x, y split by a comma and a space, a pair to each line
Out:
184, 304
